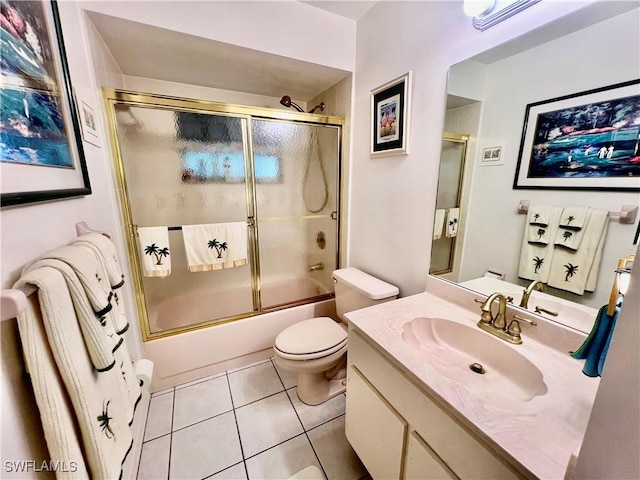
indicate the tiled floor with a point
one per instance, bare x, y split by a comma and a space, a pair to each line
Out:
244, 424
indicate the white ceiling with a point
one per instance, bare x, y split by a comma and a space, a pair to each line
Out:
146, 51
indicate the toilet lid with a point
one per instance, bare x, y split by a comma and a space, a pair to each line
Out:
316, 335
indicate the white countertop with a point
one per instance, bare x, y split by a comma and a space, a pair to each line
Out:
541, 434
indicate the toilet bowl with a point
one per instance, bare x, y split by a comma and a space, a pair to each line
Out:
316, 348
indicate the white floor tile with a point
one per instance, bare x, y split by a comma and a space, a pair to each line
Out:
233, 370
237, 472
282, 461
336, 455
200, 401
289, 378
312, 416
267, 422
205, 448
159, 416
254, 383
162, 392
154, 459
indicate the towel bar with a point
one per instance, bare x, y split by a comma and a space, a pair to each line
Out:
627, 214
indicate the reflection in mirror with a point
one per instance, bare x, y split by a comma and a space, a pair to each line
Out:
487, 99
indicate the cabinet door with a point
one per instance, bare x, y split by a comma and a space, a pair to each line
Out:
423, 463
374, 428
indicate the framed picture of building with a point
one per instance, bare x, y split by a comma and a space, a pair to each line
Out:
42, 156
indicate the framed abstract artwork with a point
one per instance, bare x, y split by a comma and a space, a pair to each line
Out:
42, 156
390, 117
588, 140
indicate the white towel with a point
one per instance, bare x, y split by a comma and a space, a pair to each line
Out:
537, 234
154, 254
574, 217
215, 246
117, 313
100, 405
99, 334
571, 237
56, 413
438, 223
535, 258
108, 251
541, 215
572, 270
453, 222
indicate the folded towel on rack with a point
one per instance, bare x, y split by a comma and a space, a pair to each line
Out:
108, 251
541, 215
438, 223
571, 238
576, 270
98, 330
215, 246
56, 412
537, 234
453, 222
100, 403
117, 314
535, 258
574, 217
154, 255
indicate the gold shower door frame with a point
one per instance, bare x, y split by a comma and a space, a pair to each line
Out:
463, 140
113, 97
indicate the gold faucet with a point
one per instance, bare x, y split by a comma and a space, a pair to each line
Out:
497, 325
316, 267
526, 293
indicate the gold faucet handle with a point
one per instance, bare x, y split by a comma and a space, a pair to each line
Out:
539, 309
517, 318
509, 299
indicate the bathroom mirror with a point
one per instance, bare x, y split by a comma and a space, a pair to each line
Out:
487, 97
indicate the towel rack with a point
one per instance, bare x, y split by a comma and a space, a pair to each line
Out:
13, 301
627, 214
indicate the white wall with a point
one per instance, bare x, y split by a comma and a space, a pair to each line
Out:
551, 70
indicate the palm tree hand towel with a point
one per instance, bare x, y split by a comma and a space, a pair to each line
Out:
215, 246
453, 221
155, 256
576, 271
535, 256
570, 236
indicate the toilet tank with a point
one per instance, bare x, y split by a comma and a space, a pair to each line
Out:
356, 289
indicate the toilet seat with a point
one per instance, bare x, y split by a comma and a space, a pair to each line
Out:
311, 339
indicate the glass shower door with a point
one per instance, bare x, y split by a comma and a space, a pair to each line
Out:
186, 168
296, 183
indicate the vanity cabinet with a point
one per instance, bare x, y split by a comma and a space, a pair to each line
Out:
400, 432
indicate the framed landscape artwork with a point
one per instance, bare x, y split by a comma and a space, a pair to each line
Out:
588, 140
390, 117
42, 156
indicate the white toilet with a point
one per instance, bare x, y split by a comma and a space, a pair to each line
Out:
317, 348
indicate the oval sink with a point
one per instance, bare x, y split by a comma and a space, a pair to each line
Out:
451, 348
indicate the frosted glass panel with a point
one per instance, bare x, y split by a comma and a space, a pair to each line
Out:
297, 257
449, 185
184, 168
307, 162
297, 234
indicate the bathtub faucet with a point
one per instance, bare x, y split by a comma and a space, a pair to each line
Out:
317, 266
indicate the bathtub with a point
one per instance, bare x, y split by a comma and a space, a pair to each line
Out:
199, 353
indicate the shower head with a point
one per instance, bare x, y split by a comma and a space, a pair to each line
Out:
286, 101
320, 107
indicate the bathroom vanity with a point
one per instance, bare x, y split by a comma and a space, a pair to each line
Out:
415, 410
